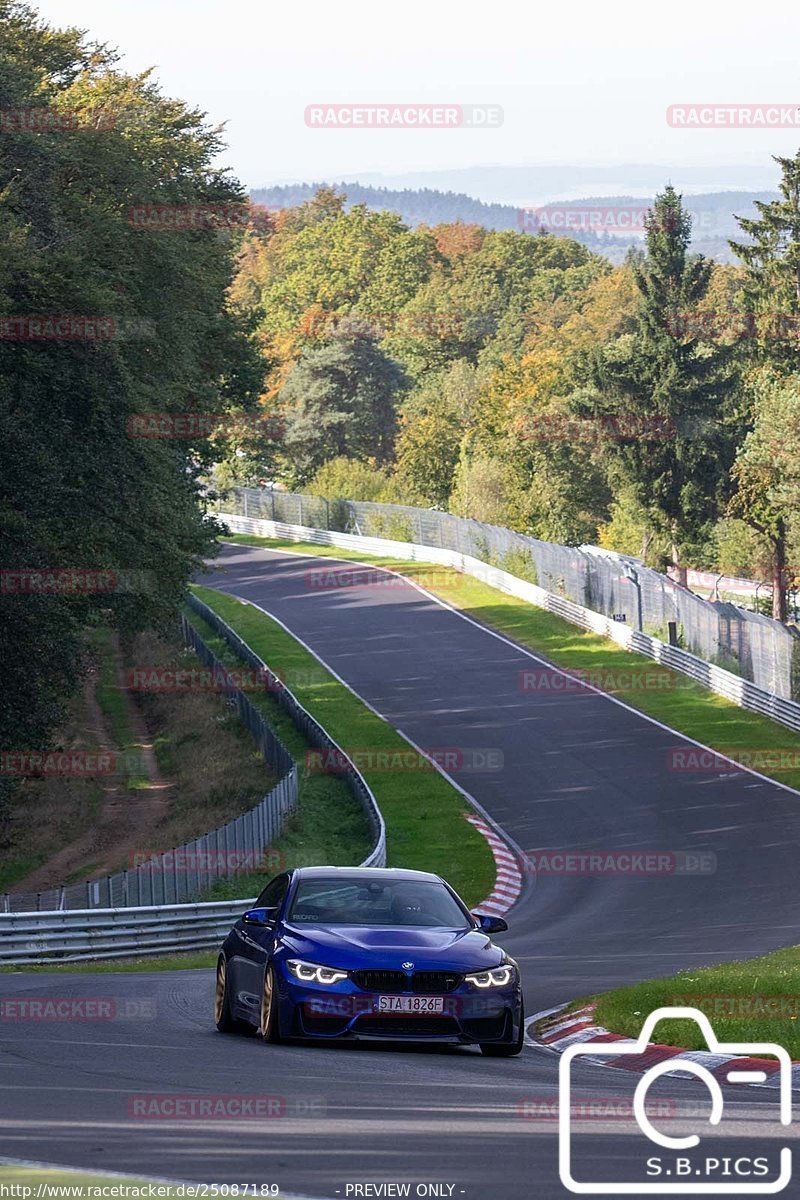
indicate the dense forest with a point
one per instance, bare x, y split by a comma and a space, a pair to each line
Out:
652, 406
102, 320
158, 332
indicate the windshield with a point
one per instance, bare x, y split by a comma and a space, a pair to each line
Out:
376, 902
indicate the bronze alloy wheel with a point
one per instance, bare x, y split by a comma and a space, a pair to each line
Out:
268, 1022
219, 992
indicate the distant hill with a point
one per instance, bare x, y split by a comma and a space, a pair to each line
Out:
417, 206
713, 212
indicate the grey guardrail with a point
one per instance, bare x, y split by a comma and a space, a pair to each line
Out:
75, 935
716, 679
310, 727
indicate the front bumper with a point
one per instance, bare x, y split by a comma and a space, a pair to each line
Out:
347, 1012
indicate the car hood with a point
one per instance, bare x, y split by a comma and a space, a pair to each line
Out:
358, 946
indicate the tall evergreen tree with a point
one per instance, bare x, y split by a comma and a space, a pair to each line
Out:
772, 260
340, 400
767, 472
772, 294
665, 393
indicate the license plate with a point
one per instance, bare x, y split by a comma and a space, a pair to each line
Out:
411, 1004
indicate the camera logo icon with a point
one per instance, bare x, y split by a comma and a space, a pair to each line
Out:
672, 1185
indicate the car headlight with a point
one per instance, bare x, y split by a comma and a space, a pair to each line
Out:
308, 972
496, 977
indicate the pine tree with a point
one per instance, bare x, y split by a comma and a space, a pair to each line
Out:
339, 400
665, 393
772, 260
772, 294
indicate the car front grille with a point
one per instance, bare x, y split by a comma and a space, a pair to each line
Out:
315, 1023
436, 982
422, 983
382, 981
408, 1026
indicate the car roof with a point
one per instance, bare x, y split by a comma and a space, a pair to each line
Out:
361, 872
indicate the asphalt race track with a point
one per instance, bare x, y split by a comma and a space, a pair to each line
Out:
579, 773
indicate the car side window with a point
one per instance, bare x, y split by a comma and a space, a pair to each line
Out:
273, 894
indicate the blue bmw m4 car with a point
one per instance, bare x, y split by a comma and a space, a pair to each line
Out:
351, 953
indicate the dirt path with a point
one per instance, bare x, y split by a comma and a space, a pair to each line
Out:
127, 820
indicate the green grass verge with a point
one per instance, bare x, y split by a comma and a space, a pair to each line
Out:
424, 814
755, 1000
328, 825
114, 707
15, 868
665, 695
197, 960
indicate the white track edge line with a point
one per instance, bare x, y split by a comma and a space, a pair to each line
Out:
507, 839
538, 659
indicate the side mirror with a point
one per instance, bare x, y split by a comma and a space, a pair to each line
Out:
490, 924
260, 916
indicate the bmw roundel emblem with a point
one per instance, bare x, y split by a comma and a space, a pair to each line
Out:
408, 966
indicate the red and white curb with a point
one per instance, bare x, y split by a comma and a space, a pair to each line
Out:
508, 881
558, 1029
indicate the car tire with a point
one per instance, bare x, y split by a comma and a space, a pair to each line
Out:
507, 1049
268, 1025
223, 1019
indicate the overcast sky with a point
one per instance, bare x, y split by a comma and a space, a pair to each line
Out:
579, 81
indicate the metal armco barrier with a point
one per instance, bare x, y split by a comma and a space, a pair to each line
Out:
126, 927
748, 644
311, 729
82, 934
183, 873
740, 691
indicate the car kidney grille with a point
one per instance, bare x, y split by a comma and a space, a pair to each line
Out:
382, 981
435, 982
423, 983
